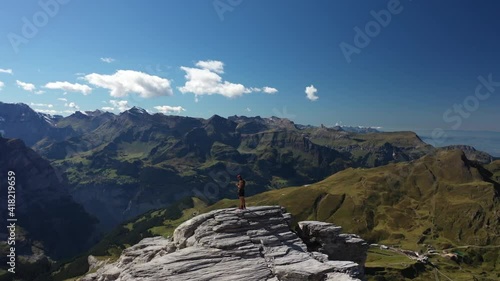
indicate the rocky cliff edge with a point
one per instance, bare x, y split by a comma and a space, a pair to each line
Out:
252, 245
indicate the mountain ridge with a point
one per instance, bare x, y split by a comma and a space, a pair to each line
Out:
140, 161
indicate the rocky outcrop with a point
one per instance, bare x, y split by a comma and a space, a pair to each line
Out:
228, 244
327, 239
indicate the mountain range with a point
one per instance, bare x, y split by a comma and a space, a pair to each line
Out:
137, 174
120, 166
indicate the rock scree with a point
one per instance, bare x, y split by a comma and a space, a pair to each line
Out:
252, 245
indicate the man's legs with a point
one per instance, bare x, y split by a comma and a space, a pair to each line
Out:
242, 202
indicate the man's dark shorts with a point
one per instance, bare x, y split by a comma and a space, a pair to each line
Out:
241, 192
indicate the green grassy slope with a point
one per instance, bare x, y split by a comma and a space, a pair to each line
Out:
494, 167
438, 202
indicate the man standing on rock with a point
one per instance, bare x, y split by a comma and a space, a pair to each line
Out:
241, 192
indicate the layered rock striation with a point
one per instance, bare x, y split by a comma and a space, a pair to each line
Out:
228, 244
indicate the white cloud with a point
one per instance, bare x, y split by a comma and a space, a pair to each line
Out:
121, 105
248, 109
72, 105
62, 99
2, 84
25, 86
108, 108
212, 65
205, 82
8, 71
69, 87
42, 105
166, 109
204, 79
124, 82
311, 93
256, 89
48, 111
108, 60
269, 90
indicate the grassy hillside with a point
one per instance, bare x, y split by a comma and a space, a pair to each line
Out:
494, 168
439, 202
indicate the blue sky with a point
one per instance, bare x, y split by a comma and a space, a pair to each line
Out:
419, 70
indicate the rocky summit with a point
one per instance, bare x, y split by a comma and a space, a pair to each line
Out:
230, 244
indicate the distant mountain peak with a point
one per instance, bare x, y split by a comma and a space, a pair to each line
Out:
137, 110
215, 117
80, 113
48, 118
96, 112
22, 104
140, 109
338, 128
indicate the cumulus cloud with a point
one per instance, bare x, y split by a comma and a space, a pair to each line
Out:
248, 109
269, 90
108, 60
121, 105
212, 65
124, 82
25, 86
69, 87
2, 84
8, 71
205, 79
47, 111
62, 99
42, 105
39, 92
205, 82
166, 109
311, 93
108, 108
72, 105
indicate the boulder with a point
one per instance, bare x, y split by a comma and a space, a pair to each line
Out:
327, 239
